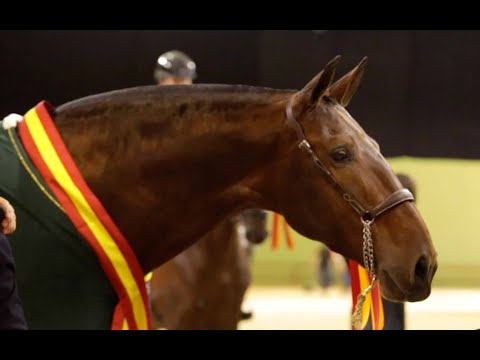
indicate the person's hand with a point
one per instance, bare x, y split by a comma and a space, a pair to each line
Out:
8, 224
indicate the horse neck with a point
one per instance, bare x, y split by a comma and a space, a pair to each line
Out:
167, 171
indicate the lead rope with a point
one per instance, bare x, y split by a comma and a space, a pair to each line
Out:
368, 259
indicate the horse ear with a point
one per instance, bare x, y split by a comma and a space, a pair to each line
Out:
344, 89
319, 85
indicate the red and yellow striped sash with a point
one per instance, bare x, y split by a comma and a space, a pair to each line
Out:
48, 152
373, 305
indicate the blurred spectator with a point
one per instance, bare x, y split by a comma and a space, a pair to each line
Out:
325, 267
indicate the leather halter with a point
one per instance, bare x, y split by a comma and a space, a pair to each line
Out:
366, 213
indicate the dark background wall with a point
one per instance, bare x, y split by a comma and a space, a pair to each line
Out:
419, 95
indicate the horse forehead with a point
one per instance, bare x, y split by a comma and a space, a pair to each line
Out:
351, 123
346, 119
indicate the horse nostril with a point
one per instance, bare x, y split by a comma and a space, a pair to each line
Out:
421, 269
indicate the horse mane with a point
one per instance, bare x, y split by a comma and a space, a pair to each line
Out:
179, 93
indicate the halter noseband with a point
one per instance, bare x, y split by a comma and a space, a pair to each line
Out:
367, 214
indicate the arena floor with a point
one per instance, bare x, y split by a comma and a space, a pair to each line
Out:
295, 309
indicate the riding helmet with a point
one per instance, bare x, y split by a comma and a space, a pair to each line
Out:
175, 63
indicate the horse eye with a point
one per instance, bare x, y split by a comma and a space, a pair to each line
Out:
341, 154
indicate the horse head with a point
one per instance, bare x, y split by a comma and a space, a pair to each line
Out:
341, 186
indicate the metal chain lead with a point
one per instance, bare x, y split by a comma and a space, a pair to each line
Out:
369, 260
368, 247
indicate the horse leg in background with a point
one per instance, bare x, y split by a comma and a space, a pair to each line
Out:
209, 279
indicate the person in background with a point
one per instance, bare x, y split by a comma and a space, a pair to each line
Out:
174, 67
12, 316
325, 265
342, 270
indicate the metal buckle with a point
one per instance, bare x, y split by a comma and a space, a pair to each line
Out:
304, 144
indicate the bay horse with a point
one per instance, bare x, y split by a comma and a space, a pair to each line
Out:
203, 287
169, 163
